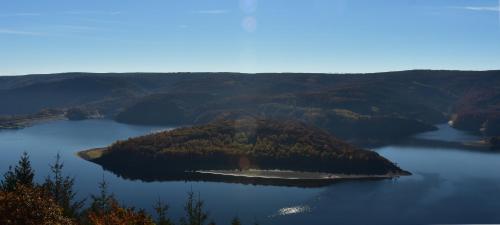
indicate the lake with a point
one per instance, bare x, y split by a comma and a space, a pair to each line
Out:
448, 185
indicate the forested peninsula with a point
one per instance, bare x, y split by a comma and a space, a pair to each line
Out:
241, 144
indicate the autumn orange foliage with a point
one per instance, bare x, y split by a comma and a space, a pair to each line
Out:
120, 216
30, 206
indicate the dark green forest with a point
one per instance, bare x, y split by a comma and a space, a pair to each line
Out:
243, 144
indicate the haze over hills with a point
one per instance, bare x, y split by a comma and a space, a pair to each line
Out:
357, 107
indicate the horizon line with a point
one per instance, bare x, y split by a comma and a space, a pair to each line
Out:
250, 73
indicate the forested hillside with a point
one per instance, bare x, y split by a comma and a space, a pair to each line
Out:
357, 107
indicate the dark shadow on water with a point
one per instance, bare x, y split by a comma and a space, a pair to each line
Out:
452, 145
198, 177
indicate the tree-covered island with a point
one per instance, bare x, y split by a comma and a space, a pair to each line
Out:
243, 144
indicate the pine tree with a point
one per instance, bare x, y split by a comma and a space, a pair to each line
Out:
195, 214
9, 180
22, 174
161, 211
61, 189
102, 203
235, 221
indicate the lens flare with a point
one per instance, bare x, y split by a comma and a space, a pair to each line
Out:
249, 24
248, 6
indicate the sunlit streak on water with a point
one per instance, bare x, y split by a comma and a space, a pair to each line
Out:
293, 210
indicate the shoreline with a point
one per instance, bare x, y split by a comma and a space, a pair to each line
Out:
14, 122
294, 175
21, 122
90, 154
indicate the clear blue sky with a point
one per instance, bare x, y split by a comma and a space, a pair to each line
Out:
45, 36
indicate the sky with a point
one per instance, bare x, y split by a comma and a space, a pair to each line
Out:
252, 36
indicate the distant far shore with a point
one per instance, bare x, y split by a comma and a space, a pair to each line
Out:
22, 121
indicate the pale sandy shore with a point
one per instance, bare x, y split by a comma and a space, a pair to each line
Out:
91, 154
291, 175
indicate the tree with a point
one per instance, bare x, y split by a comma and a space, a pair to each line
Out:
105, 210
118, 215
195, 214
22, 174
61, 189
161, 211
102, 202
30, 206
235, 221
9, 180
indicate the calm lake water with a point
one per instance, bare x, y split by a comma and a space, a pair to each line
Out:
448, 185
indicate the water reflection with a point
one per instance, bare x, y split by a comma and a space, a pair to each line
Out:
197, 177
429, 199
449, 185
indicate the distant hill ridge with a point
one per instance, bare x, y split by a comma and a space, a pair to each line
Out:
357, 107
